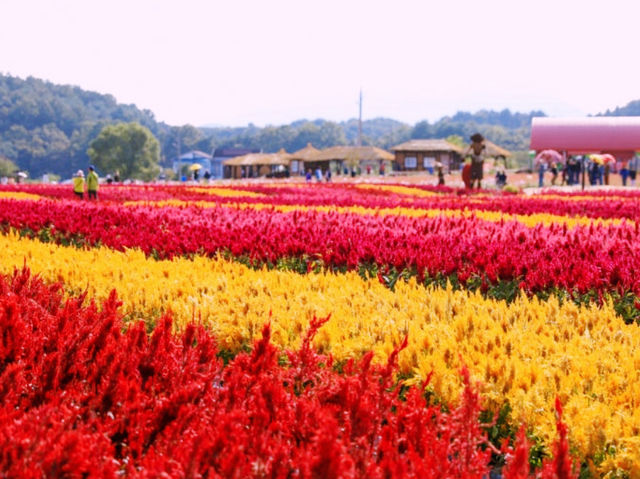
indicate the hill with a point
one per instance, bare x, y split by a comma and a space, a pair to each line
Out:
630, 109
511, 130
46, 128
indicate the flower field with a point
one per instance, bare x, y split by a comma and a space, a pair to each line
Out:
337, 330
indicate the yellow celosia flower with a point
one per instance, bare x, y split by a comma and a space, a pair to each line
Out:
225, 192
398, 189
527, 352
18, 195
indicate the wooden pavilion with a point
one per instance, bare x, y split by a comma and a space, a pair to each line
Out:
302, 157
254, 165
422, 155
351, 159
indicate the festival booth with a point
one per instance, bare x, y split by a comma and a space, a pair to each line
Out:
619, 136
614, 137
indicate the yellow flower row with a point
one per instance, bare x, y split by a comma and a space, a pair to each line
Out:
495, 216
527, 352
18, 195
226, 192
398, 189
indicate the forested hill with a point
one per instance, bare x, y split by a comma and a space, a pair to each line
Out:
630, 109
510, 130
47, 128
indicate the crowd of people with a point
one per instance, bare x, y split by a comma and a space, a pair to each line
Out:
595, 171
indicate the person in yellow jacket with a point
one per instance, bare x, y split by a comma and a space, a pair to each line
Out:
92, 183
78, 184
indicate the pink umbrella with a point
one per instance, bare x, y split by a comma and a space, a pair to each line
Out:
549, 157
608, 159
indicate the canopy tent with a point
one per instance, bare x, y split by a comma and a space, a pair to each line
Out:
619, 135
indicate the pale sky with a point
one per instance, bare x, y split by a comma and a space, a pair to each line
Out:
271, 62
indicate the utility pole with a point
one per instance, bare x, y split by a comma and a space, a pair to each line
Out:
360, 121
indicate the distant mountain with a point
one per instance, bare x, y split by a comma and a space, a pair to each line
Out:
46, 128
511, 130
630, 109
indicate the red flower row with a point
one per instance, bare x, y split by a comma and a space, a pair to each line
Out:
621, 205
591, 258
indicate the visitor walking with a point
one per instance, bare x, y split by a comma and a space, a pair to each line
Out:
501, 178
624, 171
78, 184
440, 172
92, 183
633, 169
541, 170
554, 173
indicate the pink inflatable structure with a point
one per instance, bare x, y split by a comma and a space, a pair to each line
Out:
619, 136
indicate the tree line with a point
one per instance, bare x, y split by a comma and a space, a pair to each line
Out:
48, 128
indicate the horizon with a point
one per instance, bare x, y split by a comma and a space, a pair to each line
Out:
205, 63
309, 119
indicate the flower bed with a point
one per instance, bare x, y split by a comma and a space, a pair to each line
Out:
382, 263
79, 397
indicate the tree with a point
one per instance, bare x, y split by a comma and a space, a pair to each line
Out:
456, 140
7, 167
422, 130
46, 128
129, 148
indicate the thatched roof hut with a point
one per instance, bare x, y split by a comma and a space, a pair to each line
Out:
353, 153
496, 151
428, 145
308, 153
256, 164
301, 157
260, 159
423, 154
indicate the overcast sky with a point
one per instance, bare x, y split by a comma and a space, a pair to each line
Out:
233, 62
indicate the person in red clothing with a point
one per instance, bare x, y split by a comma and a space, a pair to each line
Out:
466, 174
